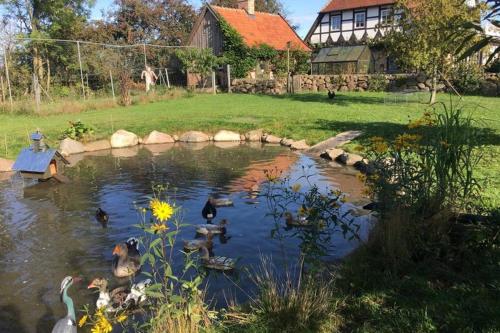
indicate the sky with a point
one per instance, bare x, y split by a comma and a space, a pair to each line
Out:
300, 12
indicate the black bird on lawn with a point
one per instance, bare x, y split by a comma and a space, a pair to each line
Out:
331, 94
209, 212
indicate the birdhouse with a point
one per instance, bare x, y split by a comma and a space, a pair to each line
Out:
39, 161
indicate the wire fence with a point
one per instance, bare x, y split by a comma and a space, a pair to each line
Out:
37, 72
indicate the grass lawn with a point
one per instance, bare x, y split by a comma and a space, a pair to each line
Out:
310, 116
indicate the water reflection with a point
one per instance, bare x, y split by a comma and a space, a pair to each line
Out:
49, 230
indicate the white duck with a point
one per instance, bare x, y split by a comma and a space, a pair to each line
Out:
217, 262
205, 229
119, 298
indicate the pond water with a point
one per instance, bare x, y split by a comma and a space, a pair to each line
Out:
48, 230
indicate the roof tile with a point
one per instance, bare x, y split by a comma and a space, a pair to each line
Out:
261, 28
334, 5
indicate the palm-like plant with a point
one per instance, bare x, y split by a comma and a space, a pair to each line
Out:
476, 32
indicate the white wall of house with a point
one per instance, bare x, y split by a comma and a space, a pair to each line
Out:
345, 23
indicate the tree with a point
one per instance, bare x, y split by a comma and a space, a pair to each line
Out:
268, 6
421, 40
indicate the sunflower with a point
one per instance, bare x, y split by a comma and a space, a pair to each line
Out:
162, 210
159, 228
102, 324
83, 320
121, 318
154, 203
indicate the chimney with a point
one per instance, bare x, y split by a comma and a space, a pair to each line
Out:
248, 5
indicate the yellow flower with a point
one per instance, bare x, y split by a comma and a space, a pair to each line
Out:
154, 203
102, 324
296, 187
83, 320
121, 318
379, 145
162, 211
406, 141
159, 228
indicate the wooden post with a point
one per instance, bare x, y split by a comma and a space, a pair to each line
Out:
112, 85
213, 83
81, 69
87, 91
36, 91
2, 87
168, 80
8, 79
229, 78
145, 58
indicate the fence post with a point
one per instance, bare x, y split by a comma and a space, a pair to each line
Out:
36, 91
145, 59
81, 69
228, 78
168, 80
8, 79
2, 87
112, 85
213, 83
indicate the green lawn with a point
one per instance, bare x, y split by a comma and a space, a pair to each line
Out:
310, 116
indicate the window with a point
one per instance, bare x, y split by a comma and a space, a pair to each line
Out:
360, 20
336, 22
385, 16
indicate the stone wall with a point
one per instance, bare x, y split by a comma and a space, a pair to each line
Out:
355, 82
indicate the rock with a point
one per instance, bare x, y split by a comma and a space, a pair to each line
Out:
242, 137
365, 167
175, 137
299, 145
286, 142
272, 139
122, 139
352, 159
421, 78
226, 136
97, 145
255, 135
156, 137
333, 154
488, 88
333, 142
194, 136
421, 86
6, 165
70, 147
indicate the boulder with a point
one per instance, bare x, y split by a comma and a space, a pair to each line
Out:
242, 137
365, 167
299, 145
175, 137
255, 135
333, 154
122, 139
287, 142
226, 136
194, 136
272, 139
352, 159
70, 147
6, 165
97, 145
156, 137
488, 88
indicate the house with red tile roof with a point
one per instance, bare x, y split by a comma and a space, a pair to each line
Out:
256, 28
342, 32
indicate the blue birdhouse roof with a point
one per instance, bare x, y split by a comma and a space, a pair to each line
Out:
37, 162
37, 136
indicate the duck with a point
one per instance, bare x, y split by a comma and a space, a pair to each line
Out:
205, 229
102, 217
222, 202
196, 244
68, 323
133, 248
121, 297
331, 94
217, 262
300, 221
209, 212
125, 265
110, 301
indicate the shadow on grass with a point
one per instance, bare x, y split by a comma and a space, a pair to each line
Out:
340, 100
389, 131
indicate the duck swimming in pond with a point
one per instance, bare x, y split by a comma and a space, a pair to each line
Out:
209, 212
68, 323
196, 244
205, 229
300, 221
102, 217
125, 263
222, 202
217, 262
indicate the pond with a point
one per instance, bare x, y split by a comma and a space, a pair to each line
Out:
48, 230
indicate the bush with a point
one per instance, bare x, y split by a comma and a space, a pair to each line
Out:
494, 67
377, 82
467, 77
78, 131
